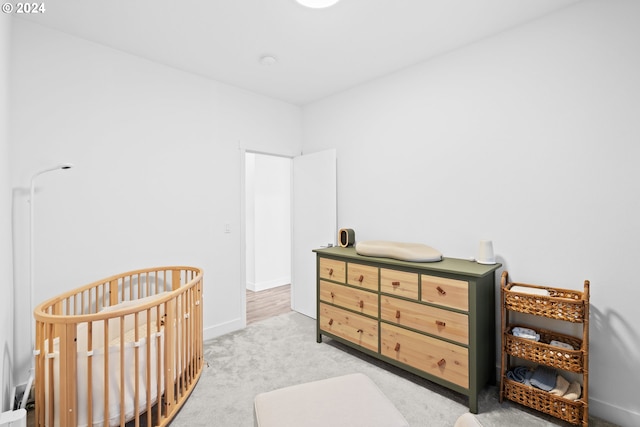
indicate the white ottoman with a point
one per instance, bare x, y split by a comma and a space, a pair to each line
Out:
467, 420
348, 401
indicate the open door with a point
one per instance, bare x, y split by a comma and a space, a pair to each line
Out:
314, 220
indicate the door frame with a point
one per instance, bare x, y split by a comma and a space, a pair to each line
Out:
243, 221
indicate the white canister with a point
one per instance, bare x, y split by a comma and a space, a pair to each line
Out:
485, 253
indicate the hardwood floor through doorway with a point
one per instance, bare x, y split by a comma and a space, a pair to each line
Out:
268, 303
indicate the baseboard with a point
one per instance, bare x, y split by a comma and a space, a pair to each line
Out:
215, 331
268, 284
613, 414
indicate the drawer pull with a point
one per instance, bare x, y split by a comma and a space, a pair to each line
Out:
332, 295
361, 304
441, 362
394, 284
360, 331
440, 323
397, 347
441, 291
330, 322
331, 272
397, 314
361, 278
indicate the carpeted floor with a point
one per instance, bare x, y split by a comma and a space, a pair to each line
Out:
282, 351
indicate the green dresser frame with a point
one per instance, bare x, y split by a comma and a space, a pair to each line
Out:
482, 321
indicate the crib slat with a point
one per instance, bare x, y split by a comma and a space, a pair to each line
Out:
113, 292
68, 369
99, 297
136, 364
170, 360
189, 339
52, 332
178, 341
90, 373
122, 368
185, 341
161, 349
147, 376
106, 372
175, 280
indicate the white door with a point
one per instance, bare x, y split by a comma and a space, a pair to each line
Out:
314, 213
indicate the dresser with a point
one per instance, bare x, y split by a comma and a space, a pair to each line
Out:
436, 319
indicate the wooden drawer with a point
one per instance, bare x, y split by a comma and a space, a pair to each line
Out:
399, 283
446, 292
332, 269
364, 276
432, 320
349, 326
439, 358
353, 299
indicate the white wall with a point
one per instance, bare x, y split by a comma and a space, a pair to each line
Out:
6, 258
273, 221
158, 167
268, 215
529, 138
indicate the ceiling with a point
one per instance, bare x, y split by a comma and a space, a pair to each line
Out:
319, 51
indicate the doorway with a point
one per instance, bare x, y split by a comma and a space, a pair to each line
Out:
267, 235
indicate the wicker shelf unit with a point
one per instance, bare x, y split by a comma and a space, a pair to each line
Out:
561, 304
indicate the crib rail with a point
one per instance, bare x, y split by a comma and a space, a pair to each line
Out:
123, 350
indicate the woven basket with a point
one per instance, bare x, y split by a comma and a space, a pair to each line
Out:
543, 353
568, 410
561, 304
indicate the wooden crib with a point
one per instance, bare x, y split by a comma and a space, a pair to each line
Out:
123, 350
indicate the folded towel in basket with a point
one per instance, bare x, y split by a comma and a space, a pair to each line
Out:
562, 385
529, 290
574, 391
561, 344
527, 333
544, 378
520, 374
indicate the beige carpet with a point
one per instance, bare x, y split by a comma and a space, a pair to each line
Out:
282, 351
